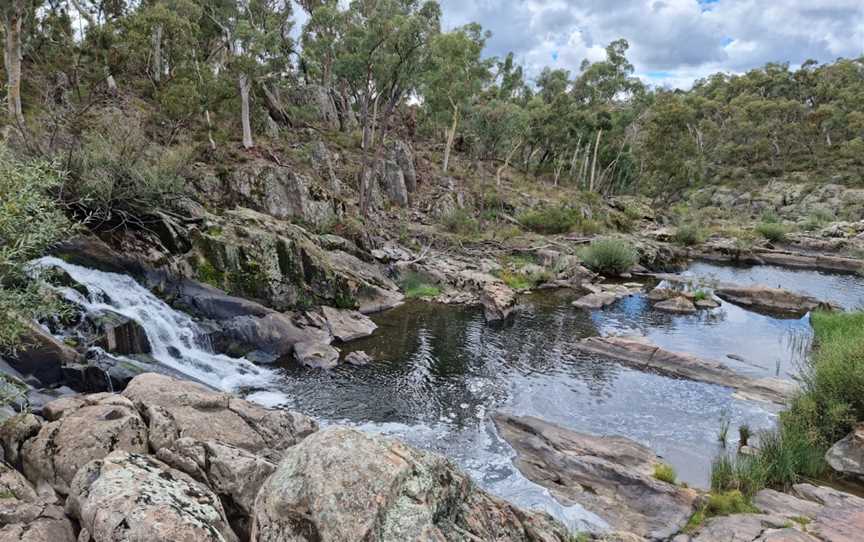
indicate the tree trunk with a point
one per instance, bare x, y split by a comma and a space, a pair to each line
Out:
157, 53
244, 111
594, 163
274, 106
12, 57
506, 163
451, 136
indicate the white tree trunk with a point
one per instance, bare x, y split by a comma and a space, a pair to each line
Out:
157, 53
451, 136
594, 163
12, 60
244, 111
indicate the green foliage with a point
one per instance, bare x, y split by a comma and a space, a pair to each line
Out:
722, 503
818, 219
771, 231
609, 256
416, 285
689, 235
701, 295
744, 435
461, 222
551, 220
30, 222
665, 473
119, 175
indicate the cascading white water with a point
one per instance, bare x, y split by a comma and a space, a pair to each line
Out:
176, 339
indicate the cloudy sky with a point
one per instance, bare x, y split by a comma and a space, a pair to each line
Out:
672, 42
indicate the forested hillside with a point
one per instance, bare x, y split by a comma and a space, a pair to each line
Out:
164, 84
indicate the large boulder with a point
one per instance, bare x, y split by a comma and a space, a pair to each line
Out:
400, 153
639, 353
316, 355
128, 496
319, 101
347, 325
42, 357
771, 300
676, 305
609, 476
120, 334
27, 517
79, 430
847, 455
175, 409
340, 484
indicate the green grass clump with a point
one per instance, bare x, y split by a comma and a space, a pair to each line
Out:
700, 295
460, 222
665, 473
720, 504
417, 286
688, 235
551, 220
829, 404
774, 232
609, 256
522, 281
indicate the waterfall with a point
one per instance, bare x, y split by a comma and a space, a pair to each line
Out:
176, 339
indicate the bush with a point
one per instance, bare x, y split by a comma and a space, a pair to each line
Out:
609, 256
551, 220
30, 222
118, 175
416, 285
460, 222
665, 473
688, 235
775, 233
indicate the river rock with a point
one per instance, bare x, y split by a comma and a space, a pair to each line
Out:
771, 300
640, 354
596, 300
609, 476
706, 304
358, 358
347, 325
316, 355
120, 334
27, 517
14, 432
498, 301
847, 455
661, 294
128, 496
42, 356
81, 429
676, 305
176, 409
341, 484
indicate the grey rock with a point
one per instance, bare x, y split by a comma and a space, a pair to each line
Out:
316, 355
609, 476
358, 359
498, 301
347, 325
341, 484
771, 300
42, 356
847, 455
128, 496
676, 305
120, 334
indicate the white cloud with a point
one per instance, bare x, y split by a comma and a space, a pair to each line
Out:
672, 42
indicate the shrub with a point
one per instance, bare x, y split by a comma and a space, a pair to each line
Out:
744, 435
118, 175
551, 220
609, 256
700, 295
416, 285
30, 222
772, 231
664, 473
688, 235
720, 504
460, 222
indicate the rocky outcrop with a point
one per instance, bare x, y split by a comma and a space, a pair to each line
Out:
640, 354
119, 334
280, 192
318, 100
25, 516
609, 476
341, 484
130, 496
603, 295
808, 514
252, 255
78, 430
400, 153
175, 409
498, 301
847, 455
771, 300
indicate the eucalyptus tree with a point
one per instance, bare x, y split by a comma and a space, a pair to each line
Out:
454, 74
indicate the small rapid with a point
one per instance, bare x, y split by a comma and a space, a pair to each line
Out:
178, 342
